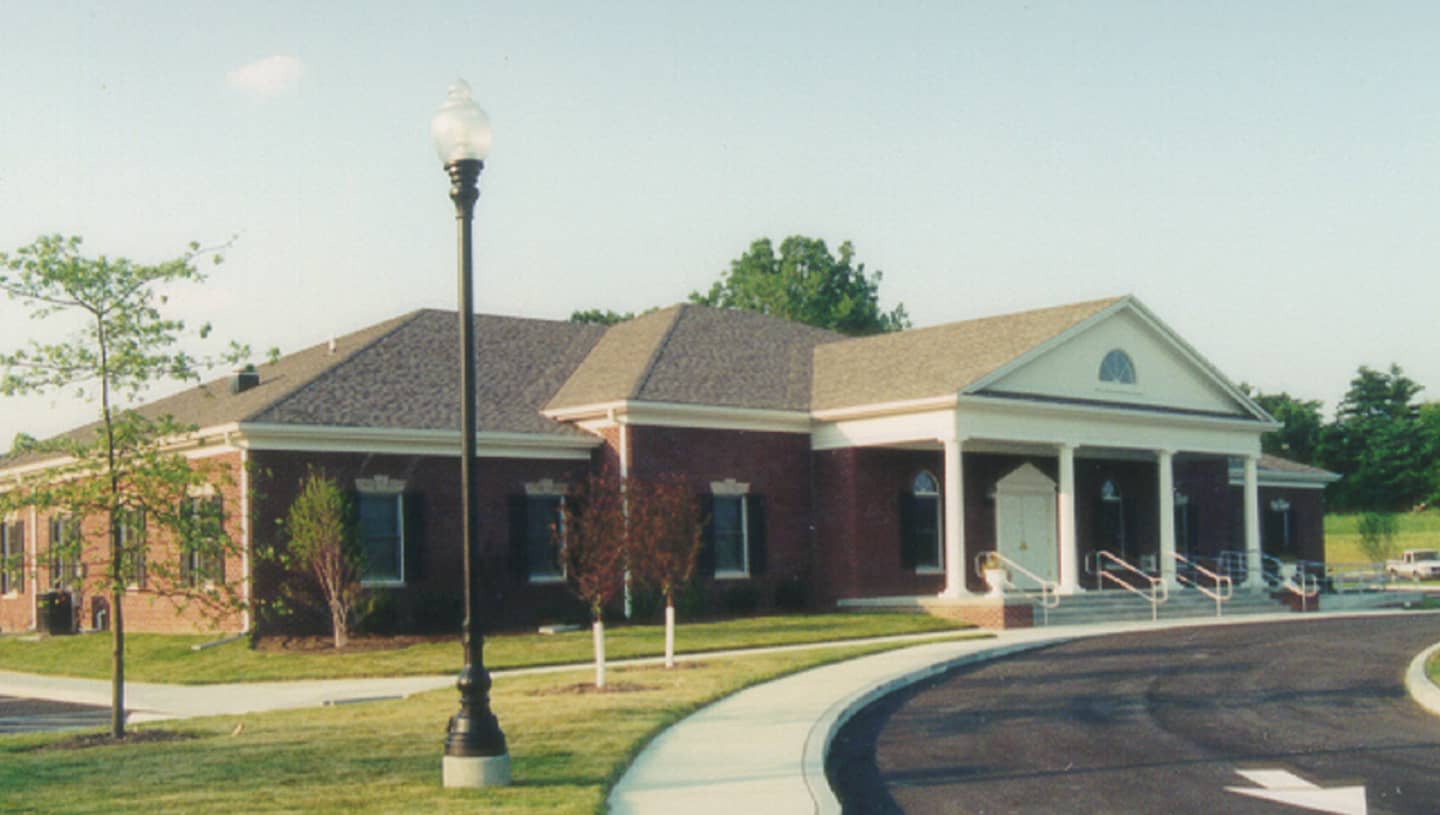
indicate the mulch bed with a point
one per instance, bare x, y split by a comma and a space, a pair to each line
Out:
359, 643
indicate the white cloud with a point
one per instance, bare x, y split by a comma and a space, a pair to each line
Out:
267, 78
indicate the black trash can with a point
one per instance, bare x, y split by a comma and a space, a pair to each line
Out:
56, 616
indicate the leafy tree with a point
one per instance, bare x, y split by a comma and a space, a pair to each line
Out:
592, 539
1299, 439
118, 471
600, 317
808, 284
665, 540
1376, 442
323, 541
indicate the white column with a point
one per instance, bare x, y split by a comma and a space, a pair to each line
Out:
954, 522
1252, 521
1065, 510
1165, 470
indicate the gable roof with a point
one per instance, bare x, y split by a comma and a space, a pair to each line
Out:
400, 373
936, 361
696, 355
409, 376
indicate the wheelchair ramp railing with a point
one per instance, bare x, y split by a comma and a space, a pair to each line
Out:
1108, 567
1223, 587
1047, 591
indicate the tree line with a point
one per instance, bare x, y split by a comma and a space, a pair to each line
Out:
1382, 440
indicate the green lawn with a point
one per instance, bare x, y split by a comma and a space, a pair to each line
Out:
1418, 530
567, 750
165, 658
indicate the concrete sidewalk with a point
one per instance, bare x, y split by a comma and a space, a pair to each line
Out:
149, 701
763, 749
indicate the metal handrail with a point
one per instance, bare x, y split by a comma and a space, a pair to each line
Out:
1224, 586
1049, 589
1159, 592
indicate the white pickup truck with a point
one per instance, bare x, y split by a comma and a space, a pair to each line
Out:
1416, 564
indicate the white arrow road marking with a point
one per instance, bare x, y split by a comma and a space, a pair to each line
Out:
1284, 787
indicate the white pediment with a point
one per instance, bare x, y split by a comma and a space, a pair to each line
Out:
1027, 479
1167, 372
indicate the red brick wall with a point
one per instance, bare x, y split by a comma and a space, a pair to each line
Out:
161, 606
437, 590
18, 607
1307, 514
1205, 481
775, 465
858, 523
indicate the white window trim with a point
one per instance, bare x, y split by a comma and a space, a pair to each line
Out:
125, 529
939, 567
5, 527
397, 493
729, 488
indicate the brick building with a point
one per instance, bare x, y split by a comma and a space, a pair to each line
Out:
831, 468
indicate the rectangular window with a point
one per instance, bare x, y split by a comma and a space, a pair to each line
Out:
65, 569
12, 558
543, 520
730, 536
382, 538
202, 555
131, 523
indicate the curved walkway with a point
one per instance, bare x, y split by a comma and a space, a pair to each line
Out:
763, 750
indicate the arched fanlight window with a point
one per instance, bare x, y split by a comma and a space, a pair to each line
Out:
924, 484
1117, 367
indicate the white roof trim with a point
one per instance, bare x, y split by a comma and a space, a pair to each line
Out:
885, 408
1151, 416
675, 414
409, 441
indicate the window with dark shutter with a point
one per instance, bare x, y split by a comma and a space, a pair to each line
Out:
12, 558
382, 538
202, 554
544, 537
131, 524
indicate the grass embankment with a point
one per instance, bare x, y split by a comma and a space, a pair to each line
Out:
165, 658
1417, 530
567, 749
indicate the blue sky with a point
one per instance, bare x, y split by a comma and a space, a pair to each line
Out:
1263, 176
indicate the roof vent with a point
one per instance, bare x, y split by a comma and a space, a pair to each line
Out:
244, 379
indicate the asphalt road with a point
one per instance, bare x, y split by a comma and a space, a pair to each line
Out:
33, 716
1159, 723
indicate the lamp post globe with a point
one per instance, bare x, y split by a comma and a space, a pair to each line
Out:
475, 751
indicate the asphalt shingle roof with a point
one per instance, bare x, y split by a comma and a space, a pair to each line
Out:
697, 355
408, 378
937, 361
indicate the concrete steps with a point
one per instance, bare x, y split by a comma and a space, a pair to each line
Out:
1121, 606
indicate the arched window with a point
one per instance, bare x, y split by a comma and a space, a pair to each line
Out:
920, 526
1117, 367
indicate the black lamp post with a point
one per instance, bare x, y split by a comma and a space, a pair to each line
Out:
475, 752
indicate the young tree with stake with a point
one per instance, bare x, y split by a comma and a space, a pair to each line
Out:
591, 536
665, 538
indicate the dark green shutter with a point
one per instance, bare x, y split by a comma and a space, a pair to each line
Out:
416, 548
218, 549
705, 564
906, 509
755, 533
519, 546
20, 564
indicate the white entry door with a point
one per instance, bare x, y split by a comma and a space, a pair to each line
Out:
1025, 523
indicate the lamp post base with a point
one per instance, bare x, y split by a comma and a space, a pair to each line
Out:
477, 771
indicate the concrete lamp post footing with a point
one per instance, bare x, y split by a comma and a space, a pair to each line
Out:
477, 771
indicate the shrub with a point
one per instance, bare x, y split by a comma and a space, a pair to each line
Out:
1377, 535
